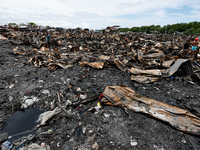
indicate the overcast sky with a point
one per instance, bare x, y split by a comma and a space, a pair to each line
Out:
99, 14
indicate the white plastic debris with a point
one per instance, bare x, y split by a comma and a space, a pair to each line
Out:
83, 97
11, 86
45, 92
44, 117
156, 88
191, 82
28, 101
16, 75
90, 131
106, 115
68, 102
158, 147
84, 130
58, 144
184, 141
98, 107
7, 145
58, 83
133, 143
10, 98
78, 89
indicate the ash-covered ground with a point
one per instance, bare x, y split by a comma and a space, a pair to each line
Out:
112, 127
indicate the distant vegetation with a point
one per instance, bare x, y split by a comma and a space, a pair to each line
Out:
192, 28
32, 23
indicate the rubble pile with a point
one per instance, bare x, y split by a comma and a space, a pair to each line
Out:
84, 79
156, 53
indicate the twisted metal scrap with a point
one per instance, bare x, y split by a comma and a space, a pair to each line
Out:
178, 118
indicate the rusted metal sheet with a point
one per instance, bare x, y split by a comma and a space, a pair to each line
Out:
178, 118
186, 66
154, 72
144, 79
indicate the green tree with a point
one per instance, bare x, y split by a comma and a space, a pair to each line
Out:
197, 31
171, 31
32, 23
187, 28
157, 28
184, 27
10, 24
134, 29
190, 31
144, 28
124, 29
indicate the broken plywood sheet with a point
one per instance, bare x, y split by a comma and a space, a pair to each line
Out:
159, 46
154, 72
98, 65
104, 57
144, 79
178, 118
37, 61
140, 56
120, 65
44, 49
155, 55
64, 65
167, 63
2, 37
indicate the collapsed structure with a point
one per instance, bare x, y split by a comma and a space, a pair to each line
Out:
147, 57
144, 58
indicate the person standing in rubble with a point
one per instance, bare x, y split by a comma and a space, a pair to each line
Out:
48, 40
186, 47
195, 43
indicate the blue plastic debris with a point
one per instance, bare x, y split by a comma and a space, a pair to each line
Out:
7, 145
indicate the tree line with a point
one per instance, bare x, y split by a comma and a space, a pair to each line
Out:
192, 28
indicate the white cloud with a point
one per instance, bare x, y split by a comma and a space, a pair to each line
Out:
97, 14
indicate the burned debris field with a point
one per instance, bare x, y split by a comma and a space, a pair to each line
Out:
99, 90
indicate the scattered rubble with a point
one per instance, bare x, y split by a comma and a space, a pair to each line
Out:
87, 84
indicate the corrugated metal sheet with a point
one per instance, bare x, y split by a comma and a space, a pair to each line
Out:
178, 118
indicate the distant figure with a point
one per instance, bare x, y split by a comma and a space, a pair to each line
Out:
41, 32
186, 47
195, 43
48, 40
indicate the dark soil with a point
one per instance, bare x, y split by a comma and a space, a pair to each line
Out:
112, 127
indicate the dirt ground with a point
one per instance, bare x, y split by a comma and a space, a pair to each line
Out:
112, 127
